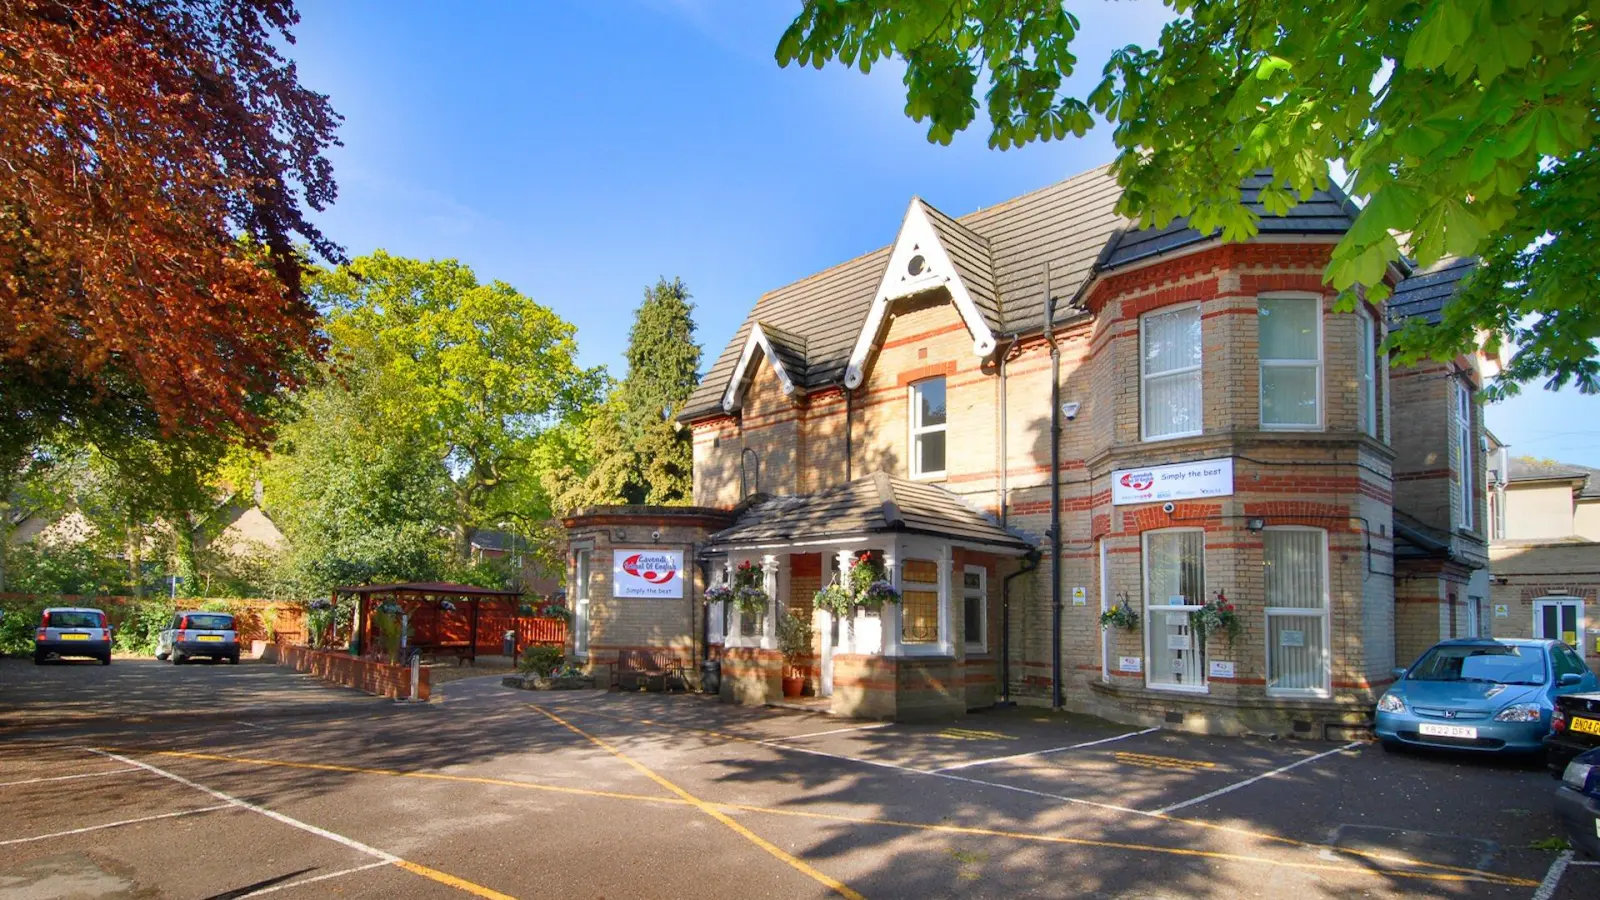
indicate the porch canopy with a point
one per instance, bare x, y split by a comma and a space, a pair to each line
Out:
874, 504
433, 592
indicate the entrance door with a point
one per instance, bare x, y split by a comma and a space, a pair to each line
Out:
1559, 619
580, 606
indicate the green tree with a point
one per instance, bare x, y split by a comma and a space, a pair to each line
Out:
475, 371
1467, 125
633, 449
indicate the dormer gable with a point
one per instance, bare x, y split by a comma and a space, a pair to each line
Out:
932, 251
785, 352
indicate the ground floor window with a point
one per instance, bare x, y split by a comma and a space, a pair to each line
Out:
1559, 619
975, 608
919, 603
1175, 583
1296, 597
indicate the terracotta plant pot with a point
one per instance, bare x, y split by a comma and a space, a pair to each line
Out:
793, 685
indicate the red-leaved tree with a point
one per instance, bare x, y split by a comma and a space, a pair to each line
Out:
156, 157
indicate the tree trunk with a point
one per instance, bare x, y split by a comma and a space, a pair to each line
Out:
183, 558
135, 549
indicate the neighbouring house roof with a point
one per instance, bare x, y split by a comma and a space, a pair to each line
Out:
1413, 539
1524, 469
998, 255
874, 504
1423, 295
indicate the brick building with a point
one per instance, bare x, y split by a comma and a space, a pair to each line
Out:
1037, 413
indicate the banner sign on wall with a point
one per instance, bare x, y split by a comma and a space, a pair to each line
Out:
1183, 481
654, 574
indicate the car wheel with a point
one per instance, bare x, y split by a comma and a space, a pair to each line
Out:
178, 659
162, 657
38, 658
105, 660
233, 660
1392, 746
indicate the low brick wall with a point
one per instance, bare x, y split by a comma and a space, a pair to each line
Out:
338, 667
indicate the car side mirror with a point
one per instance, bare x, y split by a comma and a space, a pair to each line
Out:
1569, 679
1398, 673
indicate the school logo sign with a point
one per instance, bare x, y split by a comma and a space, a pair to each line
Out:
647, 573
1184, 481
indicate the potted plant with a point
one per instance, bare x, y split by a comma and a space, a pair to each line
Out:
794, 640
1217, 615
836, 599
869, 582
748, 594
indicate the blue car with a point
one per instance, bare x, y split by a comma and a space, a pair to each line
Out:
1480, 694
1578, 802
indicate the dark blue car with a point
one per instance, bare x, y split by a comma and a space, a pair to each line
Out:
1480, 694
1578, 802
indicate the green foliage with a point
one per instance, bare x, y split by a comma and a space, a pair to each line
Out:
19, 622
540, 660
1467, 126
391, 627
50, 568
794, 636
140, 625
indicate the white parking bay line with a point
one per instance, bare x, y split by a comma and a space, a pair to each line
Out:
812, 734
1000, 759
1552, 878
313, 880
86, 830
1252, 780
122, 771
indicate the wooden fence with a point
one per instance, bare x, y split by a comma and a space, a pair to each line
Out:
287, 620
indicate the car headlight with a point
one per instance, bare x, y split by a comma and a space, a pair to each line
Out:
1391, 703
1577, 775
1519, 712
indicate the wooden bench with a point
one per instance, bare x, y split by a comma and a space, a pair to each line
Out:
657, 670
461, 650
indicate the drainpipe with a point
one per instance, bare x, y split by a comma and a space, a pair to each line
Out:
1055, 494
1005, 499
848, 394
1029, 563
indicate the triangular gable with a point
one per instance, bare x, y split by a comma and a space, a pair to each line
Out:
786, 353
919, 262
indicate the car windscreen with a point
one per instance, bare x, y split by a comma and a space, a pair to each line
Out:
1500, 664
204, 622
74, 619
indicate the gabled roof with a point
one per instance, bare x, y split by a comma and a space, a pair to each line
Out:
1525, 469
1423, 295
783, 350
873, 504
969, 253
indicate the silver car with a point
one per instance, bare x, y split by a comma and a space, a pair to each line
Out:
72, 631
193, 633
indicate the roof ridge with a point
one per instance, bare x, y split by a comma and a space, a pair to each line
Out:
1038, 190
891, 510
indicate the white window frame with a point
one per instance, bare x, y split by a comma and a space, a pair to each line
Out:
917, 429
1145, 377
981, 594
583, 576
1315, 365
1543, 603
1305, 613
1204, 685
1367, 374
1464, 440
894, 625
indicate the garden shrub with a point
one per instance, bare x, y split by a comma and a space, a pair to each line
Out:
540, 660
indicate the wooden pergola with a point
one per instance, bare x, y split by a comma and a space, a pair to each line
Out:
432, 592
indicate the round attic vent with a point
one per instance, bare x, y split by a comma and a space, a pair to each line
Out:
916, 265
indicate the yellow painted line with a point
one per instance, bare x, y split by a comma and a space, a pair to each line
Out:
1467, 875
1197, 823
445, 878
828, 881
1160, 762
428, 776
968, 734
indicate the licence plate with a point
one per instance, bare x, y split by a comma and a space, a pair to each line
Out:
1454, 731
1587, 726
74, 637
209, 637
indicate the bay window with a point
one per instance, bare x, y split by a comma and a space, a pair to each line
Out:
1290, 346
1169, 373
975, 608
1296, 597
919, 602
1175, 585
928, 422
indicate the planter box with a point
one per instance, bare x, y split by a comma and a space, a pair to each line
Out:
542, 683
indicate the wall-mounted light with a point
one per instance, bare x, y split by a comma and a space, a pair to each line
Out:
619, 535
1255, 524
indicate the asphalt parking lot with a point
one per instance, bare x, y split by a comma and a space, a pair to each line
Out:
290, 788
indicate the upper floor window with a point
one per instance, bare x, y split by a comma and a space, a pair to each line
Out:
1367, 372
927, 429
1169, 370
1291, 362
1463, 440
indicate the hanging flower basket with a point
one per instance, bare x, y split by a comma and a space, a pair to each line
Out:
835, 599
557, 611
718, 594
877, 594
525, 609
446, 606
390, 608
1120, 616
1217, 615
750, 599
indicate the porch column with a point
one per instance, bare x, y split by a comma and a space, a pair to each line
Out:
769, 583
889, 614
847, 635
947, 642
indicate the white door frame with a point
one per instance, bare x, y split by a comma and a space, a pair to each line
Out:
582, 574
1542, 603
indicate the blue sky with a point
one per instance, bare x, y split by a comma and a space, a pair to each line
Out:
580, 150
